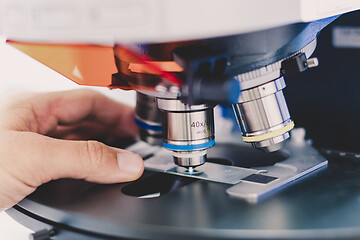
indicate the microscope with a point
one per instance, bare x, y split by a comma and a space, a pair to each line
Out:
182, 69
180, 83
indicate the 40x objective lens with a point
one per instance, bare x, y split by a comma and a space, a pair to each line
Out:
187, 131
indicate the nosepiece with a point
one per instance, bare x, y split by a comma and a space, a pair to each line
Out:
263, 115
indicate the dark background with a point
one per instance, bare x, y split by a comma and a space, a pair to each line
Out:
326, 100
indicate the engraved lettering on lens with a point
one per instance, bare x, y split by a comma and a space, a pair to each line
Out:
187, 130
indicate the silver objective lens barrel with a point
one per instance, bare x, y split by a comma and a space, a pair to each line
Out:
148, 118
263, 115
187, 131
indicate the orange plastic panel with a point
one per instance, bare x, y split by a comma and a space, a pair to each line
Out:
167, 66
137, 62
84, 64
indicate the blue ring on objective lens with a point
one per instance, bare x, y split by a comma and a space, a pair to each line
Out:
147, 126
189, 147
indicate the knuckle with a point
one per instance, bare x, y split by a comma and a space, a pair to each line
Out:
95, 154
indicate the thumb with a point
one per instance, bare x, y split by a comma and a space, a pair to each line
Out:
89, 160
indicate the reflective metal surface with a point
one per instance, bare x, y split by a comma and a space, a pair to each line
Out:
272, 144
148, 117
190, 159
263, 115
185, 127
187, 131
176, 105
263, 91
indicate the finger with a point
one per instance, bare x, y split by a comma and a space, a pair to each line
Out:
85, 131
88, 160
82, 131
92, 131
44, 112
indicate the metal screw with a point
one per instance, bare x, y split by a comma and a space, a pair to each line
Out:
312, 62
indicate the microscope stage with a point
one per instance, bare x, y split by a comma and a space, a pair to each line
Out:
167, 206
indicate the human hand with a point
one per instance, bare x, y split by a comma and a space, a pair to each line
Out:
42, 138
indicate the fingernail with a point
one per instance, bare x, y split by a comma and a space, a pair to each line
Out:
129, 163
